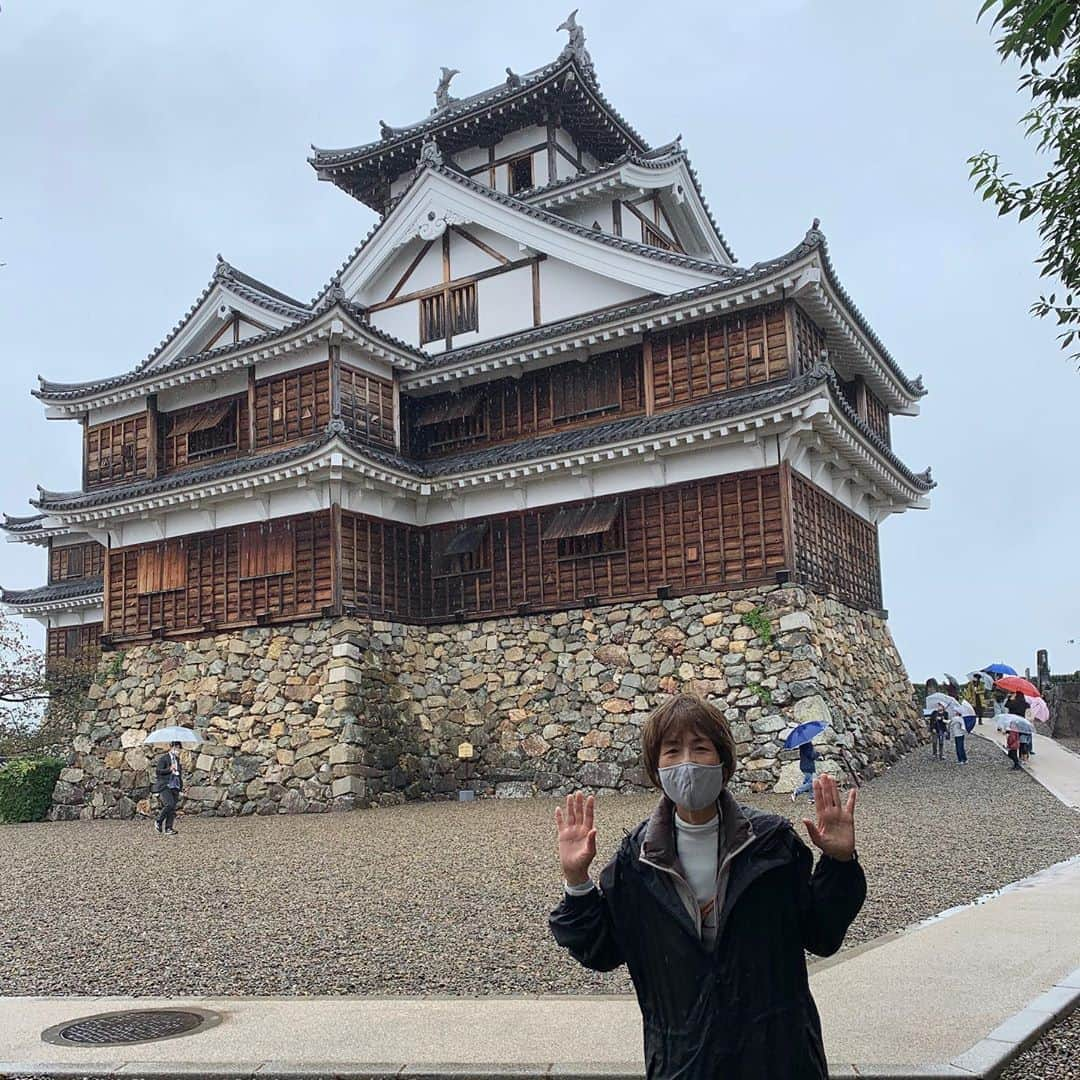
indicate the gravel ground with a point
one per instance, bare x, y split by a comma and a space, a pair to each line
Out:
1071, 742
438, 898
1056, 1056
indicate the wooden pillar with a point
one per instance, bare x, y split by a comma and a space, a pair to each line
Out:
152, 437
787, 516
552, 126
251, 407
334, 355
85, 448
536, 292
650, 389
789, 340
335, 557
860, 397
616, 217
105, 575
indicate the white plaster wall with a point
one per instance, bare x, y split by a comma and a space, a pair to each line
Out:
297, 358
180, 397
402, 321
246, 330
504, 305
70, 539
473, 158
587, 211
121, 409
401, 183
426, 274
567, 290
79, 617
357, 358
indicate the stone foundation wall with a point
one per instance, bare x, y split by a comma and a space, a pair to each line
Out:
348, 712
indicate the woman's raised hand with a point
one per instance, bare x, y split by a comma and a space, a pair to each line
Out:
577, 837
834, 832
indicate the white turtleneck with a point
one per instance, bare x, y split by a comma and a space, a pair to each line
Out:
698, 846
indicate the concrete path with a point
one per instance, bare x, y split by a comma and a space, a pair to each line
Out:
926, 995
965, 990
1057, 769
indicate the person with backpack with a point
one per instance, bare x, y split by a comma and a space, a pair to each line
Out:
712, 905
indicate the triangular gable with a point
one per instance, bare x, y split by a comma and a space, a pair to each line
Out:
437, 199
231, 308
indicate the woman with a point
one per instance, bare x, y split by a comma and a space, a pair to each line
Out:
711, 904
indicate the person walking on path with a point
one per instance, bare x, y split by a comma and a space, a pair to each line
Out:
808, 757
1012, 746
938, 729
168, 783
710, 905
958, 732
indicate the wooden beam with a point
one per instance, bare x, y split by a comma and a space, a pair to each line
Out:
551, 151
334, 360
650, 389
422, 293
251, 407
409, 270
151, 436
498, 256
491, 166
105, 578
616, 217
536, 292
335, 556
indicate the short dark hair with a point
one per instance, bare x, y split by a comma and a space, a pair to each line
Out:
176, 744
678, 714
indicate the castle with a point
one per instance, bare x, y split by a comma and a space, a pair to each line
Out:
539, 452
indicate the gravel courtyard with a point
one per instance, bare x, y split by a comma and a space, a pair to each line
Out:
438, 898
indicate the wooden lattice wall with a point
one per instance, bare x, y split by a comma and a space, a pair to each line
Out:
74, 561
835, 549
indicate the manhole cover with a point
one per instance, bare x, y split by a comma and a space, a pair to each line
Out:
130, 1026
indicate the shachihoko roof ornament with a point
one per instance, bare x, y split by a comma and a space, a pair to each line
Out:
442, 91
576, 45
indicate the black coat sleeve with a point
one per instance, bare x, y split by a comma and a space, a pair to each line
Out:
163, 767
829, 899
584, 924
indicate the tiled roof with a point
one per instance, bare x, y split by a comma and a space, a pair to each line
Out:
56, 391
220, 470
660, 158
504, 454
244, 285
31, 523
732, 276
60, 590
459, 110
707, 266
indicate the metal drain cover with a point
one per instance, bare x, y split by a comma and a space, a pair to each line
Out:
130, 1026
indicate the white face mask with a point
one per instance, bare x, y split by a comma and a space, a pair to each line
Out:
691, 785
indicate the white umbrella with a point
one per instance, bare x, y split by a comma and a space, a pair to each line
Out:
174, 734
934, 700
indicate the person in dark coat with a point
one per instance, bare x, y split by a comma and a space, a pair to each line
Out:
168, 783
808, 759
711, 904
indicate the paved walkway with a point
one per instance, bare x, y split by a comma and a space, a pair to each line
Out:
1057, 769
966, 988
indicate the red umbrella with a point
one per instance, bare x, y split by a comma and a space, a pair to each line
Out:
1014, 684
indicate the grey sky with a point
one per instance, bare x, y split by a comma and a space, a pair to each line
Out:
139, 139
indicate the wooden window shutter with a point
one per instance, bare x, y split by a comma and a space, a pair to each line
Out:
279, 553
252, 552
174, 566
75, 563
266, 550
148, 579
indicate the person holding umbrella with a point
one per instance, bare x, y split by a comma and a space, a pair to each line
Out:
169, 773
803, 737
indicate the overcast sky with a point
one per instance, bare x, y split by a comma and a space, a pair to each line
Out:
140, 139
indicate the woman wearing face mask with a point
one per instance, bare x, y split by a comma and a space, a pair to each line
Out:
711, 905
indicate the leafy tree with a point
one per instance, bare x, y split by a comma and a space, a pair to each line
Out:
1043, 35
38, 701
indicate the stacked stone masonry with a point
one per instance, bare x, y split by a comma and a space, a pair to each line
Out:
342, 713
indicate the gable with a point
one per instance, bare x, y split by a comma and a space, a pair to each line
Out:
438, 200
482, 285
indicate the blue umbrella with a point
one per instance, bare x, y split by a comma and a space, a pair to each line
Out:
804, 733
1000, 669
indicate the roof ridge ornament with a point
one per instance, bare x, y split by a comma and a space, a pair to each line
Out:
814, 235
335, 427
512, 78
442, 91
430, 154
575, 47
222, 270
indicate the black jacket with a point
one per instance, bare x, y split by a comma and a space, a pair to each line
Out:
162, 768
742, 1011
